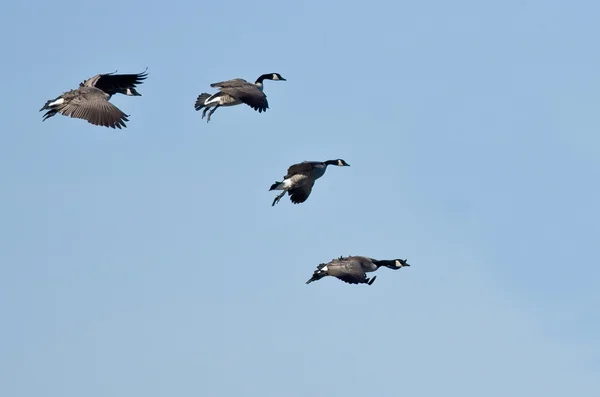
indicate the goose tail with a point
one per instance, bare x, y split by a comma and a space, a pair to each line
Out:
200, 102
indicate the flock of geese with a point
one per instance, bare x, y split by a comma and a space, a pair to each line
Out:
90, 102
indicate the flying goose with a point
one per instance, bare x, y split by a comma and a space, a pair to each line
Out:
90, 101
353, 269
301, 177
235, 92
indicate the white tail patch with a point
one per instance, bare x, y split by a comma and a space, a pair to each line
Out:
212, 101
59, 101
285, 185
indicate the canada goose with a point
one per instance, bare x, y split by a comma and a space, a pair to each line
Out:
235, 92
353, 269
90, 101
300, 179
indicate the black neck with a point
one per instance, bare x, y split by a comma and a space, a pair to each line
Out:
389, 262
331, 162
263, 77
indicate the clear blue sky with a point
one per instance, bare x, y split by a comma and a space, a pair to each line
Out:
149, 261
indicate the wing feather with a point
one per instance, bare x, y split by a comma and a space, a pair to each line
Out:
249, 94
117, 83
230, 83
246, 92
353, 278
300, 194
301, 168
95, 109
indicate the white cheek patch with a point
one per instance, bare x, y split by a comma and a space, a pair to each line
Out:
59, 101
324, 269
398, 263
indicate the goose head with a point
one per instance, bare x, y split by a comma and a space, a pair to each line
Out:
397, 264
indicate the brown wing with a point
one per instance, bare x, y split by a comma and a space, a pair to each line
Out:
249, 94
246, 92
95, 109
353, 278
300, 194
229, 83
301, 168
349, 270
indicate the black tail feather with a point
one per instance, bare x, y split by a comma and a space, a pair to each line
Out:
316, 276
274, 186
49, 114
48, 102
200, 101
50, 110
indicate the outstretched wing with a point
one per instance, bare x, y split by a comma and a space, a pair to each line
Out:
117, 83
300, 194
95, 109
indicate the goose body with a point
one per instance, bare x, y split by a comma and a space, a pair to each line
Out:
90, 101
300, 179
354, 269
236, 92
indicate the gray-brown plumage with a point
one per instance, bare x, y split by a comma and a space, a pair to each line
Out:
300, 179
353, 269
235, 92
90, 101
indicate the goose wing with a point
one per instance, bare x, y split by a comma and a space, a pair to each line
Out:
94, 108
116, 83
249, 94
230, 83
300, 194
246, 92
350, 271
353, 278
304, 167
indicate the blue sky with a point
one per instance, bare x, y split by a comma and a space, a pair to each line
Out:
149, 261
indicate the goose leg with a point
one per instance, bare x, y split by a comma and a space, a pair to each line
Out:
211, 112
278, 198
206, 109
372, 280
